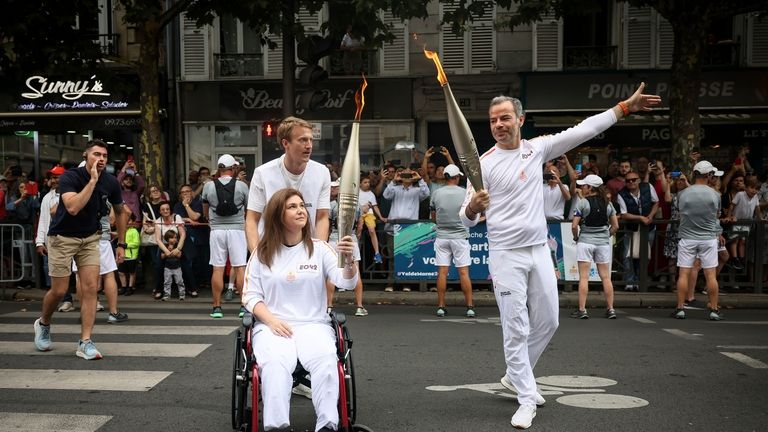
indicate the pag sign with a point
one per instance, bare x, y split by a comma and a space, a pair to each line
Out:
415, 252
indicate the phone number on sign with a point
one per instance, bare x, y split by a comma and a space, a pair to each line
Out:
122, 122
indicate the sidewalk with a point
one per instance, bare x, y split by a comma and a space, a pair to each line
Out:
377, 296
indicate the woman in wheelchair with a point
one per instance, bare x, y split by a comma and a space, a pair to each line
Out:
285, 291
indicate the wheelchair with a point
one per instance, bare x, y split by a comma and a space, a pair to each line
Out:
246, 393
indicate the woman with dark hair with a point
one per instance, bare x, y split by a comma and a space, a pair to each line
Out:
285, 291
150, 210
594, 223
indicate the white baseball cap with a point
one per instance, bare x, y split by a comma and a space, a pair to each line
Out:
452, 171
226, 161
336, 183
592, 180
705, 167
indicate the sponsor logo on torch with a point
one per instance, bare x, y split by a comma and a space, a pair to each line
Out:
349, 184
463, 141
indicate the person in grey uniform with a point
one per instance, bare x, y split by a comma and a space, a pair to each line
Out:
594, 223
452, 239
700, 236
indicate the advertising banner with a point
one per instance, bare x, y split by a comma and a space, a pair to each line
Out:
415, 252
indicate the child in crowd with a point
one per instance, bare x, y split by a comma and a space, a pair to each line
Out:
172, 265
745, 207
127, 269
369, 210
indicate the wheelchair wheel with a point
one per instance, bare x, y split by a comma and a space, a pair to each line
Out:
239, 383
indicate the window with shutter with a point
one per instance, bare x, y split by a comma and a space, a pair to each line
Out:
637, 31
548, 43
393, 58
274, 62
195, 50
665, 42
757, 41
475, 50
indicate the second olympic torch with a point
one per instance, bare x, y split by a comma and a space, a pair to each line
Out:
349, 187
463, 141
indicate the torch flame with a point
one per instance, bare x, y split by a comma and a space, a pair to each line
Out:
360, 99
440, 72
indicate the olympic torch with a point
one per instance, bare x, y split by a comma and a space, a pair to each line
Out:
349, 186
463, 141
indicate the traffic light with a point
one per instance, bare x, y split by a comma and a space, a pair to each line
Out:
269, 129
310, 51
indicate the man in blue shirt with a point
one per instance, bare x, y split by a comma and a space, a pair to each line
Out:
74, 235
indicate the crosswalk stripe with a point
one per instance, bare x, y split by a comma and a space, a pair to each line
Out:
60, 379
642, 320
111, 349
741, 347
125, 329
36, 422
745, 359
131, 316
682, 334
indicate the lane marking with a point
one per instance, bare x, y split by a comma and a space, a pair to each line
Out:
131, 316
745, 322
602, 401
682, 334
742, 347
112, 349
60, 379
125, 330
642, 320
745, 359
36, 422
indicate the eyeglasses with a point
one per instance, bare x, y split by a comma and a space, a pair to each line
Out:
631, 180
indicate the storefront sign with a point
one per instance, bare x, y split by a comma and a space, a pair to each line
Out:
39, 95
599, 91
256, 101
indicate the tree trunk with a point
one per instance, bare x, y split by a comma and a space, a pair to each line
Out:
685, 124
151, 147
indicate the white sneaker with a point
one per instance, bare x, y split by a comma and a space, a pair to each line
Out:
99, 307
508, 385
66, 307
302, 390
523, 418
361, 312
388, 289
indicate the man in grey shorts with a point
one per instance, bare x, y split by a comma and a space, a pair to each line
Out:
700, 235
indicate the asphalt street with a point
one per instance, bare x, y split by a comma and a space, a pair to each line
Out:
169, 368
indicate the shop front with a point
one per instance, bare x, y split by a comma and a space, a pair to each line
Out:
733, 109
241, 118
48, 120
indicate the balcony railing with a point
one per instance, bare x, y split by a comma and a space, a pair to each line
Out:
108, 43
589, 57
354, 63
239, 65
724, 53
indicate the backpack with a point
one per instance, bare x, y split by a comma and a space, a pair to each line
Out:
598, 214
225, 194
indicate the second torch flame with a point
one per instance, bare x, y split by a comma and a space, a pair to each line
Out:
349, 187
463, 141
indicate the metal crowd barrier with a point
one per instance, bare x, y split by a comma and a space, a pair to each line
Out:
16, 254
654, 271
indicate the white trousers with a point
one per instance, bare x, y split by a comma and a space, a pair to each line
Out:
525, 286
314, 345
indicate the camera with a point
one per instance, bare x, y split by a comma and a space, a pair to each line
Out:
406, 175
16, 171
548, 177
675, 174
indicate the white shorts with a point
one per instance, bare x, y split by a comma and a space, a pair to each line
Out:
705, 250
456, 248
355, 250
107, 263
228, 243
598, 254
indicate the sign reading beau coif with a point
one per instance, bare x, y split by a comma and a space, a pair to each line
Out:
44, 94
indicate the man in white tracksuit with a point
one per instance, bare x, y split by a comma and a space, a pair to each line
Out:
523, 277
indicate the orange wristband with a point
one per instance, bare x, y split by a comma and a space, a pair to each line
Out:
624, 108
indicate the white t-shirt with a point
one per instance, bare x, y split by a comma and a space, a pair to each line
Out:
367, 198
744, 206
293, 288
513, 179
314, 183
554, 202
